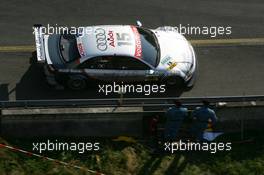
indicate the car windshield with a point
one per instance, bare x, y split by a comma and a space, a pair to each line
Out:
68, 48
150, 46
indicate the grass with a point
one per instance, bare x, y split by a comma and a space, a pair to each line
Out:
121, 158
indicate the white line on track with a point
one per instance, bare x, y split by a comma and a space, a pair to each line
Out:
197, 43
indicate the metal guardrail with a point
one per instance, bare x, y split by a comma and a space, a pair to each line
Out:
114, 102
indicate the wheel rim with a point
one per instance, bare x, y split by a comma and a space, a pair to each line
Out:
171, 81
77, 84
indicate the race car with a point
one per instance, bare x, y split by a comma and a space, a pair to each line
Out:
115, 53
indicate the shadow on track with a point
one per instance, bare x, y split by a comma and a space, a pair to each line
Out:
4, 95
33, 86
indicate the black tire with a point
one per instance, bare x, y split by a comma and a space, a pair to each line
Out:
174, 81
77, 82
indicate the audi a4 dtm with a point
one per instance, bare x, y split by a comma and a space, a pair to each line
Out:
116, 53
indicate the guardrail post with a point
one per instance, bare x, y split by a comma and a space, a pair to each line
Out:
121, 99
242, 128
242, 119
1, 122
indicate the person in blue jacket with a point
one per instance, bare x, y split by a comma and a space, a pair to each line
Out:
201, 117
174, 118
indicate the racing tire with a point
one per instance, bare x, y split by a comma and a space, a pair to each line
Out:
77, 82
174, 81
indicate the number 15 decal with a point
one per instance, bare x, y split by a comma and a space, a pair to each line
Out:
123, 39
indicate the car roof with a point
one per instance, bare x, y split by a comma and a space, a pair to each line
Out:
105, 40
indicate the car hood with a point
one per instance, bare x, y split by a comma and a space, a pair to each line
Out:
176, 54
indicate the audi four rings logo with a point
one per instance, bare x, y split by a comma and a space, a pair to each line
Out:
101, 39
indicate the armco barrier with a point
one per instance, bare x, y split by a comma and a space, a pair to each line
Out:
103, 122
114, 102
114, 121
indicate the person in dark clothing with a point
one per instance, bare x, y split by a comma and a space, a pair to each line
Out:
174, 118
153, 126
202, 116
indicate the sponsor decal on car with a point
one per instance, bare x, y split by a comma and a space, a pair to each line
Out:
111, 38
168, 62
101, 40
171, 65
166, 59
138, 50
81, 49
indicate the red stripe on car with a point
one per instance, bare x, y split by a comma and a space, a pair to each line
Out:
78, 61
138, 49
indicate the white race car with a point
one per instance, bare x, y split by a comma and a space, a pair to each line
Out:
122, 53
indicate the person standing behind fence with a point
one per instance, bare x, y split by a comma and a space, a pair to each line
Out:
174, 118
202, 116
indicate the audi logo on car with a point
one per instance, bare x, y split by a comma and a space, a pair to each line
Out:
101, 39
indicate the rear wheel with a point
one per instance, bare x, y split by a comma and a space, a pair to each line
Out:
77, 82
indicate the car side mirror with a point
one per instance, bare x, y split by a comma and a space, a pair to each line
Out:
139, 24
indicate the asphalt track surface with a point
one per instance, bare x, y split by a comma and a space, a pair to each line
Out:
236, 70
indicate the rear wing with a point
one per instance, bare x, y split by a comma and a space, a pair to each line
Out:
39, 39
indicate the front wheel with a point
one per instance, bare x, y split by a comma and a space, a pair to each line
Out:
174, 81
77, 82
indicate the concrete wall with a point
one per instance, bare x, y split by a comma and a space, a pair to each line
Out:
74, 125
107, 122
